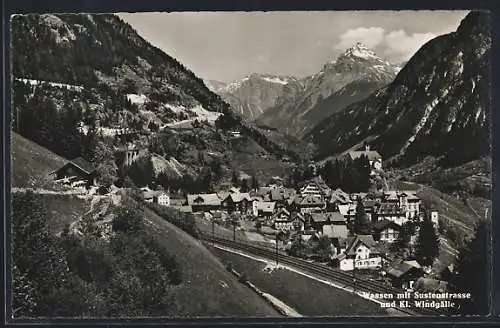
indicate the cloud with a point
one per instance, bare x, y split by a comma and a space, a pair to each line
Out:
400, 46
396, 46
369, 36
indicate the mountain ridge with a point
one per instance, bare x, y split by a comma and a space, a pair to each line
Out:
330, 90
437, 105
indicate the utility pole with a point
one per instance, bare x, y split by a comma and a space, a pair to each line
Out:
277, 234
213, 231
354, 276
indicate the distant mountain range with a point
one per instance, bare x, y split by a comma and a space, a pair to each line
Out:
254, 94
438, 105
294, 106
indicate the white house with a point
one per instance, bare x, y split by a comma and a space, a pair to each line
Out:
435, 219
163, 199
360, 254
386, 231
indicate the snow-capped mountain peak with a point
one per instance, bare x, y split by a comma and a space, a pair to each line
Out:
361, 51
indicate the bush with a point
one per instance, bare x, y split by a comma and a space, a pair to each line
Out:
128, 220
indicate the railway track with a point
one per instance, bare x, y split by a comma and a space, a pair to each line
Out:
321, 271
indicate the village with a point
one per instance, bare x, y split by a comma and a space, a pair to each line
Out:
362, 229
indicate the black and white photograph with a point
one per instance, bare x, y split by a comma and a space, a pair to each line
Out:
278, 164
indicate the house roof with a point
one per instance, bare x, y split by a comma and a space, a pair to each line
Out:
336, 217
319, 217
347, 209
203, 199
238, 197
186, 209
384, 224
266, 206
372, 155
283, 211
402, 268
311, 200
334, 231
393, 195
298, 215
353, 243
83, 164
318, 181
278, 194
339, 196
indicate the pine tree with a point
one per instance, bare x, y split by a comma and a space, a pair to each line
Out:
472, 273
362, 224
427, 246
244, 185
254, 183
234, 179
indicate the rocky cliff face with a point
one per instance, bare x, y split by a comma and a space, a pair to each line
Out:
255, 94
349, 78
438, 105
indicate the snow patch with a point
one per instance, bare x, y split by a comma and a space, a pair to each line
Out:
52, 84
275, 80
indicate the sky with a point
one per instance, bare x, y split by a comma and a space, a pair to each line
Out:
227, 46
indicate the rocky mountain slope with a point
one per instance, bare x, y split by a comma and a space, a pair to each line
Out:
92, 49
349, 78
112, 80
438, 105
254, 94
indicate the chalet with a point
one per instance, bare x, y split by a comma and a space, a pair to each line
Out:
77, 170
317, 220
373, 157
283, 220
148, 195
338, 197
298, 221
361, 253
386, 231
308, 235
265, 209
236, 201
281, 195
391, 212
203, 202
404, 274
315, 186
310, 203
348, 211
336, 227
